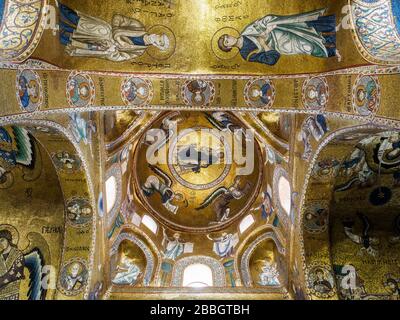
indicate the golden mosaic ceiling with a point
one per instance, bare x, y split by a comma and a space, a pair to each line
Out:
194, 162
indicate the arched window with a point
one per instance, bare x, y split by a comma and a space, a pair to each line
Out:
150, 223
246, 223
197, 276
284, 193
111, 193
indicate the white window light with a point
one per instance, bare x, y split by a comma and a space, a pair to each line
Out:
111, 193
284, 193
246, 223
197, 276
150, 223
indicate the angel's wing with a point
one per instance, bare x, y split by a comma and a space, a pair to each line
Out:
36, 255
212, 197
161, 174
34, 262
24, 145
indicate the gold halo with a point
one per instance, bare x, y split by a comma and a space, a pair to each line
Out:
214, 43
156, 53
13, 230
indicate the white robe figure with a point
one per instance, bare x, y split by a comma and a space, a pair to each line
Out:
122, 40
173, 247
129, 273
224, 246
269, 275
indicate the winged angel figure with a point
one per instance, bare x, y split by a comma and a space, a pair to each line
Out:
161, 183
14, 261
222, 197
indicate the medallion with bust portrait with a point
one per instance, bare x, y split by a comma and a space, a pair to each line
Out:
315, 93
73, 277
136, 91
198, 92
320, 281
80, 90
259, 93
79, 212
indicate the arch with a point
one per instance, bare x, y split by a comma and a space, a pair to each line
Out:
150, 262
197, 275
245, 259
218, 271
320, 265
46, 132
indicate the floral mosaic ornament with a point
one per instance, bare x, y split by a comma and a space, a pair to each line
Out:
315, 93
259, 93
29, 90
80, 90
136, 91
198, 92
21, 27
377, 30
73, 277
366, 95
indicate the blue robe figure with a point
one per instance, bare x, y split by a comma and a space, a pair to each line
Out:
8, 155
23, 92
266, 39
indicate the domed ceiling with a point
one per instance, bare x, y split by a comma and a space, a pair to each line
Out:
187, 173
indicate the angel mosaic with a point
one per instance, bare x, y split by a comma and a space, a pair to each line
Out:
222, 197
161, 183
268, 38
14, 261
16, 148
123, 40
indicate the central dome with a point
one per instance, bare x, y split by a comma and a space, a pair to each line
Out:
187, 170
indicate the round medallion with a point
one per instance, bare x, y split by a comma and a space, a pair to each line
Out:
366, 95
320, 281
80, 90
79, 212
29, 90
187, 157
315, 93
316, 217
198, 92
73, 277
187, 174
259, 93
136, 91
